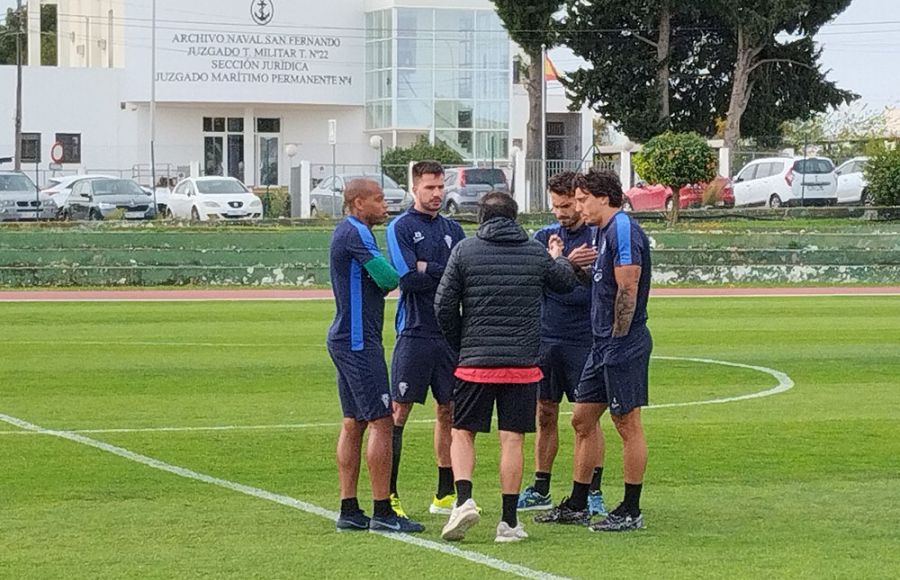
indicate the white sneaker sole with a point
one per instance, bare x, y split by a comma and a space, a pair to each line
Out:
433, 509
535, 508
458, 531
508, 539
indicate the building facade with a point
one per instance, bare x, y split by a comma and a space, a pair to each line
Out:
249, 88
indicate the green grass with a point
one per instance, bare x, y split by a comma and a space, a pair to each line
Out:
801, 484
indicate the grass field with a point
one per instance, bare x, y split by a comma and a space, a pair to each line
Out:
801, 484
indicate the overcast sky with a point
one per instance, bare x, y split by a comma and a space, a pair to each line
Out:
861, 49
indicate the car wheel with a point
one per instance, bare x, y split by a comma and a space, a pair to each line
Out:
626, 205
775, 201
452, 208
670, 204
195, 215
94, 216
314, 212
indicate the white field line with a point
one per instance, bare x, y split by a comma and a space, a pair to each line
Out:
284, 500
785, 383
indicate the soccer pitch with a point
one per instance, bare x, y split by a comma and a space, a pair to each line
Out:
206, 435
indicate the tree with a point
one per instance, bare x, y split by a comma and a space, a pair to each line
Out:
397, 160
883, 174
531, 25
10, 26
675, 160
718, 71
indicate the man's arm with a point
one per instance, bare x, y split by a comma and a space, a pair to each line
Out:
382, 273
447, 301
627, 278
363, 249
559, 275
415, 276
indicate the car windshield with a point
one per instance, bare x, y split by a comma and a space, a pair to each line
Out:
15, 182
485, 177
220, 186
388, 182
813, 166
116, 187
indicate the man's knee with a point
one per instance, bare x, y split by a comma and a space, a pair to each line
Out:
629, 425
444, 413
401, 413
585, 418
547, 415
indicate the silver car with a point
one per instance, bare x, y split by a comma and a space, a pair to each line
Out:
20, 199
327, 199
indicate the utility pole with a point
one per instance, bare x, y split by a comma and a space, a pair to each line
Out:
20, 20
152, 108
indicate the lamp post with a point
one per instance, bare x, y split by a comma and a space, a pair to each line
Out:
377, 142
20, 13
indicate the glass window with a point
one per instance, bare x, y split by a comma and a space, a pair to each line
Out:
492, 85
414, 114
453, 114
220, 186
235, 125
71, 144
748, 174
412, 53
378, 24
414, 83
813, 166
453, 84
213, 156
219, 125
415, 22
492, 115
31, 147
268, 125
492, 50
492, 145
207, 124
488, 20
459, 141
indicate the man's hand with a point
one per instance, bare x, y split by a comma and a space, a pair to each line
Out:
583, 256
555, 246
421, 267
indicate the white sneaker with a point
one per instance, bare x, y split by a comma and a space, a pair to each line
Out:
461, 519
507, 534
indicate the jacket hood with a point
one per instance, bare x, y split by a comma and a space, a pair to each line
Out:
502, 231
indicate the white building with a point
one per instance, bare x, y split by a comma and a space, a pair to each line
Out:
237, 81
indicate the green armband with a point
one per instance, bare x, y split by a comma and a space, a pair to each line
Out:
383, 273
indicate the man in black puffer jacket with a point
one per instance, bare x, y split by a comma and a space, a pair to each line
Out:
488, 305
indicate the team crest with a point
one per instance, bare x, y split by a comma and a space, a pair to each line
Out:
403, 387
386, 399
449, 239
418, 237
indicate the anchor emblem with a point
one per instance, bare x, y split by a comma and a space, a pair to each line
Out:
262, 11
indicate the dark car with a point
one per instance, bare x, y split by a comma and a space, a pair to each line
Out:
465, 186
98, 199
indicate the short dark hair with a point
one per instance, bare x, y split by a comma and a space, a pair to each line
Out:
497, 204
427, 168
563, 183
602, 183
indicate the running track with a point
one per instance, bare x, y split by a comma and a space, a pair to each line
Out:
306, 294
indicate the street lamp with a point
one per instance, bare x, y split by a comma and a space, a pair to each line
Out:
377, 142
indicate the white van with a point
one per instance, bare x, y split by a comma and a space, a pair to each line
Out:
777, 181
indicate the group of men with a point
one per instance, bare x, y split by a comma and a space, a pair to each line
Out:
499, 320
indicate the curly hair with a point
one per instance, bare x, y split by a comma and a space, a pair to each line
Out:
563, 183
602, 183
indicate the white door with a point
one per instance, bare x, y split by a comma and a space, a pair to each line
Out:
743, 184
849, 182
179, 201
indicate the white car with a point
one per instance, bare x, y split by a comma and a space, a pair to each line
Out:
851, 182
213, 198
778, 181
59, 188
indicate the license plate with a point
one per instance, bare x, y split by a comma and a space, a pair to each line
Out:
814, 185
134, 214
235, 214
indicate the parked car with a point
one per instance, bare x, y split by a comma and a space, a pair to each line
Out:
657, 197
213, 198
102, 198
777, 181
465, 186
59, 188
851, 182
20, 199
327, 199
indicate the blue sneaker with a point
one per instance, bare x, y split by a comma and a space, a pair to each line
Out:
395, 524
355, 522
595, 504
530, 500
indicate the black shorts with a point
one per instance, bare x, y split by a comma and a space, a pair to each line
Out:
362, 381
419, 362
622, 386
474, 407
562, 365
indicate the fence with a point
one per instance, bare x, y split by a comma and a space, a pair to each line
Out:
538, 172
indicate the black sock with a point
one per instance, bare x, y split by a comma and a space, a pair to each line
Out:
542, 482
445, 482
383, 508
597, 479
578, 500
631, 505
349, 506
463, 491
510, 501
397, 445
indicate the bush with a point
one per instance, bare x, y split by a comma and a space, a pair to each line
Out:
276, 201
397, 160
883, 175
